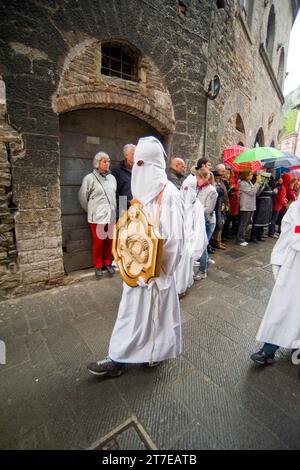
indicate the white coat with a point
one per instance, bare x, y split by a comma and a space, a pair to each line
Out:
195, 238
281, 322
97, 196
148, 325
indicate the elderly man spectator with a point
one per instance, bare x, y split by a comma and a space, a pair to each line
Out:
221, 170
97, 197
123, 176
177, 171
222, 205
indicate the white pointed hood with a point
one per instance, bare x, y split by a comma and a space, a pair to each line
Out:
149, 170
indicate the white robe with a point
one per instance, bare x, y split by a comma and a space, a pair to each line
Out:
195, 238
281, 322
148, 326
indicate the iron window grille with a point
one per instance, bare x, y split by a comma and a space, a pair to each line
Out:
117, 63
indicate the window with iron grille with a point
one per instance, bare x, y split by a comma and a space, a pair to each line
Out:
118, 63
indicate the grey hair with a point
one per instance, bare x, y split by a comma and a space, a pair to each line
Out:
220, 165
97, 159
126, 148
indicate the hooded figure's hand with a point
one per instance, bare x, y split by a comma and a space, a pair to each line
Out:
275, 269
142, 283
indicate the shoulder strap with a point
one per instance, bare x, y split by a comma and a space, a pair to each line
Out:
160, 196
99, 181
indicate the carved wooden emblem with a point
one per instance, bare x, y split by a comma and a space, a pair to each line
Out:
137, 245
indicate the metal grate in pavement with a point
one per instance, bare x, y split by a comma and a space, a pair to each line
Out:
129, 435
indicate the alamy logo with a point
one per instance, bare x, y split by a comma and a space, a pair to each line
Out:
296, 357
2, 352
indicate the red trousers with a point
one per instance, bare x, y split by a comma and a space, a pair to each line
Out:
102, 242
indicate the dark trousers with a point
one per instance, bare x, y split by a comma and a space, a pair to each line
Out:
245, 218
270, 349
256, 232
272, 227
234, 221
279, 220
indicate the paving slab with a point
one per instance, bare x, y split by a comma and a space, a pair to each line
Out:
211, 397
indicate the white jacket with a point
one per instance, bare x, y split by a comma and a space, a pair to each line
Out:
97, 197
208, 197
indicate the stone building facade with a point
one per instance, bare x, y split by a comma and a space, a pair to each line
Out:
290, 143
82, 76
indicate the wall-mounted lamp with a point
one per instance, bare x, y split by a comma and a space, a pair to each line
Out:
214, 88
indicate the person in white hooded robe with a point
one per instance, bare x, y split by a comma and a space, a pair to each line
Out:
195, 238
148, 325
280, 326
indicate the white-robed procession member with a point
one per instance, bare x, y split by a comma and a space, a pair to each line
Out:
148, 325
195, 238
280, 326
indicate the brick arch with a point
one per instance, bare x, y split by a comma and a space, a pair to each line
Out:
82, 86
138, 107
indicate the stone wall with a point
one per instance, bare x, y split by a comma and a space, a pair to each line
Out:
42, 46
50, 63
249, 84
83, 86
11, 147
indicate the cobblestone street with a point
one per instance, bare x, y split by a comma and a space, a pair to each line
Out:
212, 397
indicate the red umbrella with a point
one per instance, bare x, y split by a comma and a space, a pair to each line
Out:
230, 154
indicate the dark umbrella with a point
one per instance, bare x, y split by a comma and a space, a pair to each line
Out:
287, 161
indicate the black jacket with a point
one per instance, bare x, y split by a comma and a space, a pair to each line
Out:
263, 214
123, 177
175, 178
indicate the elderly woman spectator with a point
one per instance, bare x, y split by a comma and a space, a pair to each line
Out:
97, 197
248, 192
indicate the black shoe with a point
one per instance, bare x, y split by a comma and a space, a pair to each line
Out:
110, 269
261, 240
262, 358
252, 240
105, 367
152, 364
98, 273
210, 249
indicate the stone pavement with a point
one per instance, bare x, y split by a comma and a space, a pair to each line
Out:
212, 397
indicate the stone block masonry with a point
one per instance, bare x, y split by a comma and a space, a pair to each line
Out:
50, 65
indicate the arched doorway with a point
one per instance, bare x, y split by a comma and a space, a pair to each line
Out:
270, 39
234, 132
83, 133
280, 75
259, 138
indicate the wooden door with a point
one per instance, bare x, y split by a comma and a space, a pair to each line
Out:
83, 133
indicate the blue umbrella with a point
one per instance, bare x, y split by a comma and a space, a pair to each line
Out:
280, 171
286, 161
